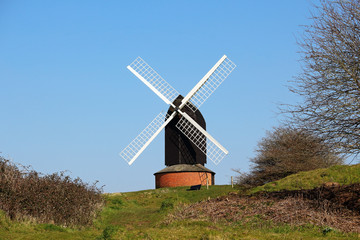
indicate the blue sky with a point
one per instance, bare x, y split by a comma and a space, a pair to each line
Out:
68, 102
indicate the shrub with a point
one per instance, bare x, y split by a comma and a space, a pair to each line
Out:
53, 198
286, 151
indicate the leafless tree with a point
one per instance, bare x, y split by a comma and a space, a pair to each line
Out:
330, 80
286, 151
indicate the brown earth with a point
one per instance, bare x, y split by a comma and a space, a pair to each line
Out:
330, 205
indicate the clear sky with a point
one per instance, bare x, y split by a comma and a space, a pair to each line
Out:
68, 102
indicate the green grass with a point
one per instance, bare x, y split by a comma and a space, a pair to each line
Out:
126, 216
342, 174
142, 215
147, 207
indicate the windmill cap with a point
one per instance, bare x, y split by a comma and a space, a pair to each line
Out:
185, 168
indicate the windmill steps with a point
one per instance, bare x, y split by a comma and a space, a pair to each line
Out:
184, 175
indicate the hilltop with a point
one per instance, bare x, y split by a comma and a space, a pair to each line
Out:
339, 175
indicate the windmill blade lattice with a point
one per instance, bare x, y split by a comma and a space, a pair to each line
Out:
133, 150
206, 145
212, 83
154, 79
194, 99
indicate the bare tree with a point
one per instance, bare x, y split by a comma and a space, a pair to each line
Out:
330, 80
286, 151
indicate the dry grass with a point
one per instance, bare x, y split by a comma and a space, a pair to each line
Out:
325, 206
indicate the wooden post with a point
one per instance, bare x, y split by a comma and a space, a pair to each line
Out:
232, 182
207, 183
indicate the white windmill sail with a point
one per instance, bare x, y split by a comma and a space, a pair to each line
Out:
202, 139
153, 80
138, 145
194, 99
209, 83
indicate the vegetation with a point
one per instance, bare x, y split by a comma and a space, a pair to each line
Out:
157, 214
342, 175
27, 195
286, 151
327, 207
133, 215
330, 80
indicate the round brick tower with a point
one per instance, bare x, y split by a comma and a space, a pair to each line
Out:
184, 175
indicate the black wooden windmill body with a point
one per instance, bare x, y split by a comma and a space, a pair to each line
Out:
186, 139
178, 148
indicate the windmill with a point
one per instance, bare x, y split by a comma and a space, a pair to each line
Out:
187, 143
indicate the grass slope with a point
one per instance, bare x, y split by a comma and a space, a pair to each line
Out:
341, 174
144, 215
132, 215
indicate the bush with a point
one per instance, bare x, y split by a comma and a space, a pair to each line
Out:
54, 198
286, 151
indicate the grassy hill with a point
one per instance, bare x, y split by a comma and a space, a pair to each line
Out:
341, 174
160, 214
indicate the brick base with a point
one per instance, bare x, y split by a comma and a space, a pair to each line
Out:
177, 179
